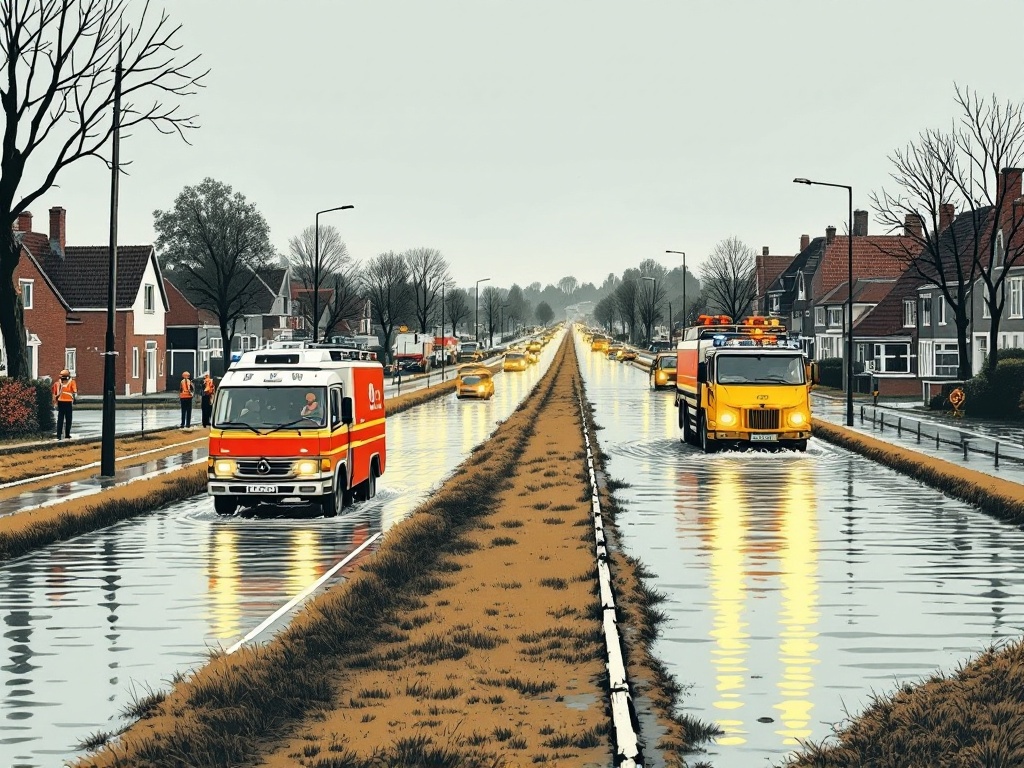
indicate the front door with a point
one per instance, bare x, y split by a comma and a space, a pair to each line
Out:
150, 366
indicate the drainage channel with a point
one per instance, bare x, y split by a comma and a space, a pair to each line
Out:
93, 623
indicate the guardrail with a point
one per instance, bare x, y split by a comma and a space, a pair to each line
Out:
968, 442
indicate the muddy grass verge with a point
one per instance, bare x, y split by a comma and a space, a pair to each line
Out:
44, 443
472, 637
999, 498
22, 532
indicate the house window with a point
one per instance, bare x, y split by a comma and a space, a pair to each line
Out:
71, 360
984, 309
135, 362
1016, 289
999, 254
150, 298
26, 292
947, 358
909, 313
774, 305
940, 309
892, 358
801, 293
835, 317
926, 310
819, 316
216, 346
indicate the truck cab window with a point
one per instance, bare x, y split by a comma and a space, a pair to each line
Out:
335, 407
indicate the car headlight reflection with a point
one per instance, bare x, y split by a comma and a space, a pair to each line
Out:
224, 467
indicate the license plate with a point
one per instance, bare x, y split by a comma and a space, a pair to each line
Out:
764, 437
261, 488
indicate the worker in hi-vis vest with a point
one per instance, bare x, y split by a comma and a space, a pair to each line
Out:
207, 400
186, 391
65, 393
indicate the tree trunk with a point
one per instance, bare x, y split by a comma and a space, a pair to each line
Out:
12, 314
226, 340
963, 346
993, 337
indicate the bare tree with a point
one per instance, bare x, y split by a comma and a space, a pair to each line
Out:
604, 312
60, 59
385, 282
518, 307
626, 301
338, 287
728, 278
428, 271
650, 300
491, 299
212, 243
456, 306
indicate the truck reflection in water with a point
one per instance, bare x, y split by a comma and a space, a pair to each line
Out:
245, 562
761, 541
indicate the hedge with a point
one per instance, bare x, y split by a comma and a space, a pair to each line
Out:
19, 410
830, 371
999, 394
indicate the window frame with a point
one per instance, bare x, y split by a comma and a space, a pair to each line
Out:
946, 348
819, 316
924, 313
835, 312
135, 362
149, 298
1015, 310
71, 359
31, 284
910, 313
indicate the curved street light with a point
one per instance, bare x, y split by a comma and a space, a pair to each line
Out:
316, 267
476, 319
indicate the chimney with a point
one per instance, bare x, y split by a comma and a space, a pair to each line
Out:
830, 235
946, 213
860, 223
1008, 184
805, 240
24, 222
913, 226
764, 250
58, 229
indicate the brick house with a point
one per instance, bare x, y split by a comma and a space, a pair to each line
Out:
788, 296
66, 308
189, 334
767, 269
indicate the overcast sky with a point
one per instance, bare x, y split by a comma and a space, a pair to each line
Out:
532, 139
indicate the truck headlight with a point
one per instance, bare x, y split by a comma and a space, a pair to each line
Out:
307, 467
224, 467
797, 419
727, 418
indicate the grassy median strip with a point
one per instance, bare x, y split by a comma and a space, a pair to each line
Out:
471, 638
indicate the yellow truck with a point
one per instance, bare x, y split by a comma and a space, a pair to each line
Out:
742, 384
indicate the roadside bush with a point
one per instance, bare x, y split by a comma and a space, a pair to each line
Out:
18, 408
830, 372
44, 405
1011, 353
997, 394
940, 402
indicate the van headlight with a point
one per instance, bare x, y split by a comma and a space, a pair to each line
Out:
307, 467
727, 418
224, 467
797, 418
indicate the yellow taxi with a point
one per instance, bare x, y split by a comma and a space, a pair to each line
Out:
599, 344
515, 361
627, 354
663, 370
613, 351
534, 346
478, 384
472, 369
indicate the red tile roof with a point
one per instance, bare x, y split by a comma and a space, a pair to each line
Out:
864, 292
887, 318
873, 256
181, 311
768, 269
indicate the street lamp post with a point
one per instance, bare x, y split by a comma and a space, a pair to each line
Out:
848, 368
476, 319
684, 284
654, 296
316, 268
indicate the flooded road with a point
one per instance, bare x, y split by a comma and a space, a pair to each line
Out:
91, 624
798, 584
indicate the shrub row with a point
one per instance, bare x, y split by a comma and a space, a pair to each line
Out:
997, 394
25, 407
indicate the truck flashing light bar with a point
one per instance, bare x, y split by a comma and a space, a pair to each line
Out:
744, 340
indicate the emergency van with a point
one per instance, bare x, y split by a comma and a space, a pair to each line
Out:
304, 424
742, 383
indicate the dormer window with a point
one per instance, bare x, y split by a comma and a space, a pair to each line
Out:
999, 253
801, 292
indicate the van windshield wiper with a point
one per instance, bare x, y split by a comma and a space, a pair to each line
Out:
293, 423
245, 424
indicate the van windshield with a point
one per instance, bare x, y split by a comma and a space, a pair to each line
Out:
471, 347
667, 362
760, 369
266, 407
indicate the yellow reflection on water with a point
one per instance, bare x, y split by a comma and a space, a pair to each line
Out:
303, 565
727, 518
224, 582
798, 560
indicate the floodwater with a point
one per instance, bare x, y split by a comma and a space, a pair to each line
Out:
91, 624
798, 585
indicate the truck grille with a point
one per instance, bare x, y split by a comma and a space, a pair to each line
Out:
276, 467
763, 418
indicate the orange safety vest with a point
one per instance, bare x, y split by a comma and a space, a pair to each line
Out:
208, 388
187, 389
65, 393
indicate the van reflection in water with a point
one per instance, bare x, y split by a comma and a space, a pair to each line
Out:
254, 570
760, 536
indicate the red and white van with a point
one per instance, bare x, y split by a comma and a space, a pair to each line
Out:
304, 424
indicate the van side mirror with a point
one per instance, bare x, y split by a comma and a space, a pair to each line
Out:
347, 416
702, 372
815, 376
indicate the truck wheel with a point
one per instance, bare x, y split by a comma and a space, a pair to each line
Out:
332, 503
706, 443
684, 418
225, 505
